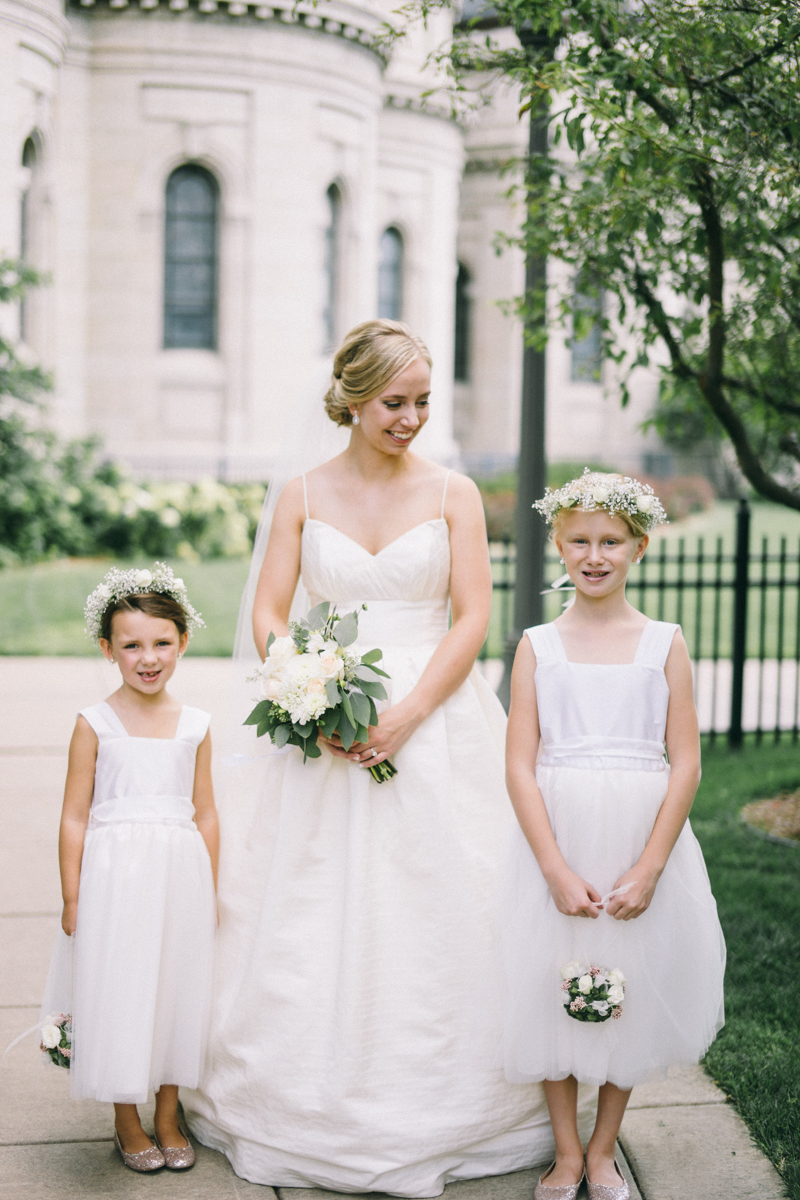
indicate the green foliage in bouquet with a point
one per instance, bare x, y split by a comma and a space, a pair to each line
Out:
592, 993
312, 683
56, 1043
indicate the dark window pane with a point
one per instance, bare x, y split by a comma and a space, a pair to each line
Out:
332, 258
587, 352
390, 275
462, 347
190, 260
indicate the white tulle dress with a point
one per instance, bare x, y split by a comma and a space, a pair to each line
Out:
357, 1038
603, 777
142, 953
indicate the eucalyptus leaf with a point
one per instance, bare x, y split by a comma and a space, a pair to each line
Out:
258, 714
347, 731
348, 708
373, 689
373, 712
332, 691
360, 707
270, 640
312, 750
282, 734
372, 656
329, 721
318, 615
346, 630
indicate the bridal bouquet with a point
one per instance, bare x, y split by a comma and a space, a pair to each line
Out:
56, 1034
311, 681
592, 993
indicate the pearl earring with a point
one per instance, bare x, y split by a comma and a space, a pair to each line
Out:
112, 661
356, 419
180, 654
561, 561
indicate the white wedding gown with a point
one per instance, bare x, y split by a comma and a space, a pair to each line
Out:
357, 1032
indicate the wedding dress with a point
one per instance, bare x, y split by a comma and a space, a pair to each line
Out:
357, 1042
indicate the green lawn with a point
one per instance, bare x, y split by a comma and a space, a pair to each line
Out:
756, 1058
41, 607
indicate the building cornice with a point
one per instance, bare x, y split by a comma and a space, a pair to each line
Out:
345, 22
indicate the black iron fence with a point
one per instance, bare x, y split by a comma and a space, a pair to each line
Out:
739, 608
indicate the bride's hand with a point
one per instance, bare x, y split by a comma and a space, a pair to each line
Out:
573, 896
394, 728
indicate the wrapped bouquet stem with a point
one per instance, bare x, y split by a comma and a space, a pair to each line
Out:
313, 681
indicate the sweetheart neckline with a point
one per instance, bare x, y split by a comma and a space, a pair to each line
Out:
394, 541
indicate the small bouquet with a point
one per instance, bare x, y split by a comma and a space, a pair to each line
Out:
56, 1034
592, 993
311, 681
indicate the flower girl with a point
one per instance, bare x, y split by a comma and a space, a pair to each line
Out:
138, 852
614, 957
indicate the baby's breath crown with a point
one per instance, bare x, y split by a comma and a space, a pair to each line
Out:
134, 582
614, 494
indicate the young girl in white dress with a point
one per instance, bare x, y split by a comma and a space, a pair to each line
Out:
138, 851
606, 876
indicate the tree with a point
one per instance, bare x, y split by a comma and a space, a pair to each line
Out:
678, 195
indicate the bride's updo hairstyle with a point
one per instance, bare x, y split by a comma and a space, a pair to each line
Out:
369, 358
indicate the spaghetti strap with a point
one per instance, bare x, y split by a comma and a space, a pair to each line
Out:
305, 494
444, 493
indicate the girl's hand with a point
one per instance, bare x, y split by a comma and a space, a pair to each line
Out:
573, 896
637, 899
69, 918
395, 726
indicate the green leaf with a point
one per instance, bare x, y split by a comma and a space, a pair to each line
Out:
369, 672
348, 708
270, 640
332, 691
360, 707
373, 712
282, 734
372, 656
373, 689
302, 730
312, 750
319, 615
258, 714
362, 733
330, 719
347, 730
346, 630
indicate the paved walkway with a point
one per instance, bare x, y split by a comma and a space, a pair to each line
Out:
681, 1138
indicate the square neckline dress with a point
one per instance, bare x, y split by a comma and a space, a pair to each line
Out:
137, 975
603, 776
356, 1044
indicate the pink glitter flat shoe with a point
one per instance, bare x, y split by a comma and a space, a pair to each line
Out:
564, 1191
142, 1161
177, 1158
601, 1191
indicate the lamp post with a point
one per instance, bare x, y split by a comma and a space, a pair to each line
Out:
531, 531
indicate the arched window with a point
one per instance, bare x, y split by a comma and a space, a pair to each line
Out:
190, 259
26, 236
463, 304
390, 275
333, 253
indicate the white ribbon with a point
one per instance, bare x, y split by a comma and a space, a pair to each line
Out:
620, 891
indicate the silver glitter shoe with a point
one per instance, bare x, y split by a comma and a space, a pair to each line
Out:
601, 1191
565, 1191
143, 1161
177, 1158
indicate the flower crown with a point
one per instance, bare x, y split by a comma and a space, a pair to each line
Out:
134, 582
591, 491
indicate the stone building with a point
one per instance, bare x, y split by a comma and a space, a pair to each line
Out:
218, 189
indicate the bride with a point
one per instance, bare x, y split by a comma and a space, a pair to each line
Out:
356, 1041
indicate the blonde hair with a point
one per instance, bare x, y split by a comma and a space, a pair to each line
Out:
638, 523
369, 358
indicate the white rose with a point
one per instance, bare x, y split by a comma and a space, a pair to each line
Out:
616, 977
281, 650
331, 664
644, 503
316, 643
600, 495
143, 578
568, 501
270, 689
179, 585
571, 970
585, 984
103, 592
600, 1006
616, 994
51, 1036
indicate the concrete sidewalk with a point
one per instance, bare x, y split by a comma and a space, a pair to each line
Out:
683, 1141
